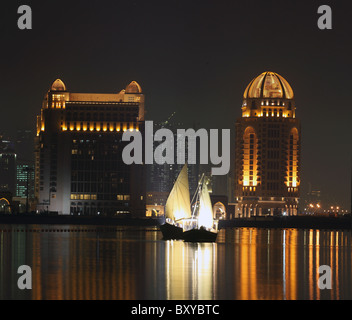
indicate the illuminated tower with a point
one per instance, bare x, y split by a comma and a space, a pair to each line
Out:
267, 152
79, 168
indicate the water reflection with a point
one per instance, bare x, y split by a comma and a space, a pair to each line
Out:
190, 270
134, 263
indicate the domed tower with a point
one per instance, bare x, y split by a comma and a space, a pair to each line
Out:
133, 87
267, 153
58, 85
133, 93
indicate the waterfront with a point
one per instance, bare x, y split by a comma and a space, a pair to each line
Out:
127, 263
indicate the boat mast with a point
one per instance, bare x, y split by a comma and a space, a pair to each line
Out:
196, 194
199, 183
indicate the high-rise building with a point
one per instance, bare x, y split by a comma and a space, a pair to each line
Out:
24, 145
24, 180
8, 159
78, 157
161, 177
267, 152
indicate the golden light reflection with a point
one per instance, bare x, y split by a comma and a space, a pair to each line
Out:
190, 270
291, 264
100, 280
176, 271
317, 261
245, 263
310, 264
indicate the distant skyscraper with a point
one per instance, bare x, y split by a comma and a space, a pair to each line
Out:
8, 159
24, 145
24, 180
79, 167
267, 152
161, 177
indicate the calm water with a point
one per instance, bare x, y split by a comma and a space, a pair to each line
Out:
134, 263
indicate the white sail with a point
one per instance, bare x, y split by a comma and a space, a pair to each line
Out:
178, 204
205, 216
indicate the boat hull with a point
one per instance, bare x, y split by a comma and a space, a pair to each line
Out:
199, 235
171, 232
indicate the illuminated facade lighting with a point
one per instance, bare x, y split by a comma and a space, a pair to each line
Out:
77, 145
267, 154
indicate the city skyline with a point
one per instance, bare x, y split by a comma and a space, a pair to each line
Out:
194, 60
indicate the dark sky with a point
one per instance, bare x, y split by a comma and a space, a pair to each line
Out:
192, 57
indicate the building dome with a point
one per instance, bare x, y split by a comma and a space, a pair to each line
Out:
133, 87
58, 85
268, 85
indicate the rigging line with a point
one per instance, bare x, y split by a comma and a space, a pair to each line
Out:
199, 183
197, 193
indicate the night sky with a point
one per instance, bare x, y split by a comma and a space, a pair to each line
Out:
192, 57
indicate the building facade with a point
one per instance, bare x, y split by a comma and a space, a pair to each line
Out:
267, 151
24, 180
78, 155
8, 160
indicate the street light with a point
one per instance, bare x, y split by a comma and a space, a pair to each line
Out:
312, 206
